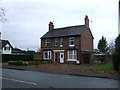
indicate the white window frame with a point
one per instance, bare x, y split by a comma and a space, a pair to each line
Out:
61, 42
47, 42
72, 55
56, 42
49, 55
71, 39
7, 48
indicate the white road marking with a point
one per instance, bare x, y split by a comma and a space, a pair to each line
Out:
19, 81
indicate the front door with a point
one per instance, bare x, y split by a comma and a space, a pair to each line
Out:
56, 56
61, 57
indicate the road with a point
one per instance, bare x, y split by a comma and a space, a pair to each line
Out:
31, 79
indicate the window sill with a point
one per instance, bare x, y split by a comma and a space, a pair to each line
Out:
71, 59
61, 46
47, 59
71, 45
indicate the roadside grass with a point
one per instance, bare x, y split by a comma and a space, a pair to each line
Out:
108, 67
102, 67
99, 67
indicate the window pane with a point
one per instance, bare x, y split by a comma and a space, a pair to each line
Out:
5, 48
47, 42
72, 54
71, 41
47, 54
56, 41
61, 42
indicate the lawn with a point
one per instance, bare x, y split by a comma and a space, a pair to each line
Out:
99, 67
102, 67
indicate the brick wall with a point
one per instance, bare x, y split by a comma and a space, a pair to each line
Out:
65, 42
86, 40
65, 46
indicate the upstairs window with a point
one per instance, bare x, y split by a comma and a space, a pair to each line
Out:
71, 41
61, 42
47, 42
56, 42
7, 48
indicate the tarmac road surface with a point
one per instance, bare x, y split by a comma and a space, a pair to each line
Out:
32, 79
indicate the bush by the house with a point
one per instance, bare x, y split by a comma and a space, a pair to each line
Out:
10, 57
116, 60
47, 62
37, 62
18, 63
116, 55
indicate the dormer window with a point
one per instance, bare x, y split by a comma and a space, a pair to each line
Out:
56, 42
61, 42
47, 42
71, 41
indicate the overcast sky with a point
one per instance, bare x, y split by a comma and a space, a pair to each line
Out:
28, 19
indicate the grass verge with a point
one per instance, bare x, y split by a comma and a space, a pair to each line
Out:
102, 67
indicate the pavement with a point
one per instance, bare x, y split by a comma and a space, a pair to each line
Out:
86, 74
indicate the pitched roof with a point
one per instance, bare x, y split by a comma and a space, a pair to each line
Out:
66, 31
17, 50
4, 42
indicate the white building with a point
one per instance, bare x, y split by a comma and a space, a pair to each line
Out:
5, 47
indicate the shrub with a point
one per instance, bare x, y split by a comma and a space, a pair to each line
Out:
47, 62
117, 44
9, 57
115, 59
38, 59
37, 62
25, 63
18, 63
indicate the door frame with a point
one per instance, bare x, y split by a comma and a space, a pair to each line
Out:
61, 60
59, 51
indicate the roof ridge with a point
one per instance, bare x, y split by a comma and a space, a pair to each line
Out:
67, 27
4, 40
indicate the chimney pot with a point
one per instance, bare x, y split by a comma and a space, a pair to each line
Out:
86, 21
51, 26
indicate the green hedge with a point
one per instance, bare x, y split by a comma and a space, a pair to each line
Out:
18, 63
37, 62
11, 57
116, 60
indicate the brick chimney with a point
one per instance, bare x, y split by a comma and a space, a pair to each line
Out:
86, 22
51, 26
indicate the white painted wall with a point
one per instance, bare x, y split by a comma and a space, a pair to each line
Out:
7, 51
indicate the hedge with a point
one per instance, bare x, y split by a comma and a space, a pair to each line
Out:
116, 60
11, 57
18, 63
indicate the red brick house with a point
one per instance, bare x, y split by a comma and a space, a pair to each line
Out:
68, 44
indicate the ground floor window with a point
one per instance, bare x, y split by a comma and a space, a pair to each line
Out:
72, 55
47, 55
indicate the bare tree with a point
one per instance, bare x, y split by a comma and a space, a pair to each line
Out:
2, 15
111, 47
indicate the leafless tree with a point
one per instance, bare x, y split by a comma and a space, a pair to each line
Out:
111, 47
2, 15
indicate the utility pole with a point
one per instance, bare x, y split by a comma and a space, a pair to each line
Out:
119, 17
91, 25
